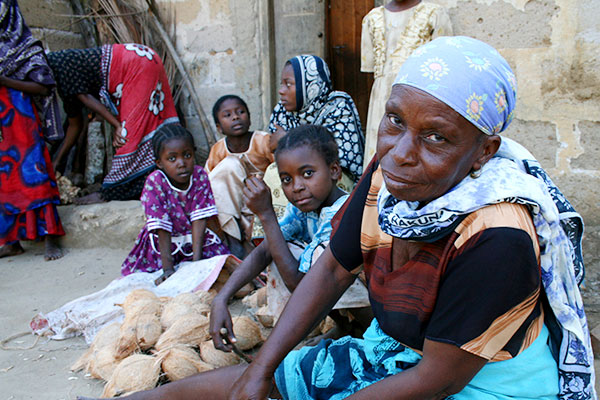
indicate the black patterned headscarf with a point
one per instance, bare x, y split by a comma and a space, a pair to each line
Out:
22, 57
317, 104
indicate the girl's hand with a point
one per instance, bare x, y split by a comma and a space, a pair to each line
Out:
118, 139
253, 384
165, 275
275, 137
257, 196
221, 318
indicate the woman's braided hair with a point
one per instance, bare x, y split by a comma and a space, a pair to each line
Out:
316, 137
223, 99
168, 132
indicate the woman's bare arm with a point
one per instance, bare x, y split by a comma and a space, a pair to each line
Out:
93, 104
314, 297
25, 86
444, 370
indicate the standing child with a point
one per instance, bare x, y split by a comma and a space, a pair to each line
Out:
240, 154
390, 34
178, 202
309, 168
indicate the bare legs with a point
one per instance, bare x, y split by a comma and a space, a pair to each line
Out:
73, 131
53, 250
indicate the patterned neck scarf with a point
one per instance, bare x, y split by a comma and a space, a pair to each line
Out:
474, 80
22, 58
318, 104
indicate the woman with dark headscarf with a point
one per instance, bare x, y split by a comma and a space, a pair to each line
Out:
28, 191
472, 258
308, 98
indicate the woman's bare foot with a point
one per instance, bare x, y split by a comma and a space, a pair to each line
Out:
53, 250
91, 198
13, 249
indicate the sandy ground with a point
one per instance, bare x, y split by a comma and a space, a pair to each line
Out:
29, 286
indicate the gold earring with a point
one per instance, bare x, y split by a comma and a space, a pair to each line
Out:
475, 173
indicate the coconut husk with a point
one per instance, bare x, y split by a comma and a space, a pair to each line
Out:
180, 362
256, 299
326, 325
217, 358
137, 295
106, 337
205, 297
190, 329
135, 373
142, 306
103, 363
247, 332
127, 342
148, 330
265, 317
185, 303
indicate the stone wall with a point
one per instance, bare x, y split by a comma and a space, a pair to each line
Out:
51, 21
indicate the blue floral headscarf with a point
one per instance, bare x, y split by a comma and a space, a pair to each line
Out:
474, 80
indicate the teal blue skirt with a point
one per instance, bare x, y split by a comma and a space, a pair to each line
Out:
337, 369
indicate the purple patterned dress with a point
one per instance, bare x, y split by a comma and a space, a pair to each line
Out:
173, 210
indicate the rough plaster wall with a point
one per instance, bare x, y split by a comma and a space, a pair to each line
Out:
49, 22
219, 41
554, 48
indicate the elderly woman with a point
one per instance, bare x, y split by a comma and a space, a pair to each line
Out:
471, 255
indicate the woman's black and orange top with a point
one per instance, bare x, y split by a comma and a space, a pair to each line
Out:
478, 287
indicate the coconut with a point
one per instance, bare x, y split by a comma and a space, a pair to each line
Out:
265, 317
205, 297
148, 330
247, 332
184, 303
256, 299
127, 342
137, 295
102, 363
217, 358
190, 329
135, 373
106, 337
143, 306
326, 325
181, 361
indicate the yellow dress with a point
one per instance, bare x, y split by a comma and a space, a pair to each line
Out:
388, 38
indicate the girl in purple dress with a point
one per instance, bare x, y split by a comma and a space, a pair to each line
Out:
178, 202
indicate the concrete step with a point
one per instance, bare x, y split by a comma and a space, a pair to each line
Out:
114, 225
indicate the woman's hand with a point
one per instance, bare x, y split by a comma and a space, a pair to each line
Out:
275, 137
165, 275
221, 318
118, 139
255, 383
257, 196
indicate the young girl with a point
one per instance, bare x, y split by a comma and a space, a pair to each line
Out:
178, 202
390, 34
309, 168
241, 153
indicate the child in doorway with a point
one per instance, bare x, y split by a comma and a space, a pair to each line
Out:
178, 203
240, 154
309, 168
390, 34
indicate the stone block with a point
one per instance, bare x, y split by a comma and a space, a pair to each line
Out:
502, 25
115, 224
58, 40
590, 130
538, 137
52, 14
